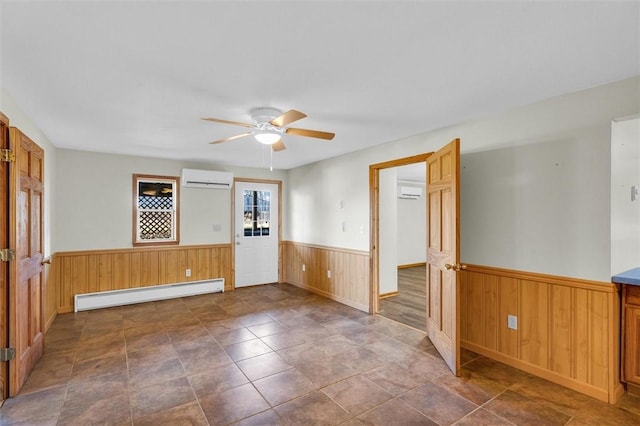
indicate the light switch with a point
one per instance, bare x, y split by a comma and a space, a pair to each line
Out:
512, 322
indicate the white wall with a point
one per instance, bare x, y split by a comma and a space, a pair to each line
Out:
315, 215
95, 201
625, 213
17, 118
388, 237
540, 207
581, 120
412, 228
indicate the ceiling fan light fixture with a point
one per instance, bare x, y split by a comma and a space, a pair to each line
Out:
267, 137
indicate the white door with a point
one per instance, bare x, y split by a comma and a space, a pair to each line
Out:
256, 233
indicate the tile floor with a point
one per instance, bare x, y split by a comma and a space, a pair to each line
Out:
276, 355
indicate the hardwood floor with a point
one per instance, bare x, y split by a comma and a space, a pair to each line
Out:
409, 306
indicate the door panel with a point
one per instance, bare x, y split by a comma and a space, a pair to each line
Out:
443, 189
26, 327
256, 233
4, 266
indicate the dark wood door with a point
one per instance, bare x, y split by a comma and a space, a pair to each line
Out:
4, 266
26, 319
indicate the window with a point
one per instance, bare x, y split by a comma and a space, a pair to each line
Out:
156, 210
257, 213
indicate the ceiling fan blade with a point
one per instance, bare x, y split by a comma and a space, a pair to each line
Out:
310, 133
235, 123
278, 146
230, 138
288, 117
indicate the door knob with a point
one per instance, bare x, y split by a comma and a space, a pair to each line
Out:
237, 243
456, 267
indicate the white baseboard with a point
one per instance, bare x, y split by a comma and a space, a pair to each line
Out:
107, 299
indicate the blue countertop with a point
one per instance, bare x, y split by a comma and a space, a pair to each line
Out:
632, 277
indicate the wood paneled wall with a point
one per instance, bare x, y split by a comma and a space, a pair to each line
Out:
50, 297
101, 270
568, 329
349, 282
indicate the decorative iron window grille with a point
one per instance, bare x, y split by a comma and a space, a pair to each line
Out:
156, 209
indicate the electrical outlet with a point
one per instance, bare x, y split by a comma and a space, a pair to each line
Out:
512, 322
187, 272
304, 267
328, 273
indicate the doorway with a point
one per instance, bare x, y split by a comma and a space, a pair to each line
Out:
256, 232
376, 239
403, 228
442, 246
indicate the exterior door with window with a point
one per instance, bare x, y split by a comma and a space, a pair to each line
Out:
256, 233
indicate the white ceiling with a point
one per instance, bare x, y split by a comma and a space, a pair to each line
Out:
134, 77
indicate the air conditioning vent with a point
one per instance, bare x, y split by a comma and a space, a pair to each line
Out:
410, 192
206, 179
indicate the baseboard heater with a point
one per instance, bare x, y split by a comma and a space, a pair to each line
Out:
129, 296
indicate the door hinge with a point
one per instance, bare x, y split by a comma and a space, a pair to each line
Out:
7, 354
7, 255
7, 156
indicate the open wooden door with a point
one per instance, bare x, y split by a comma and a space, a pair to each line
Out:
4, 265
443, 252
26, 319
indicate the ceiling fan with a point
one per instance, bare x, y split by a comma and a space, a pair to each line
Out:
269, 125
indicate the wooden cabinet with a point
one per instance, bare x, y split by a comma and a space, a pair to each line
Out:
631, 334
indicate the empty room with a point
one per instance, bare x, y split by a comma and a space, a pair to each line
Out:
319, 212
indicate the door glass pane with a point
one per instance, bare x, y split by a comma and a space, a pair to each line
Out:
257, 213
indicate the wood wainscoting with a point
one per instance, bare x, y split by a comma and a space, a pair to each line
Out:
568, 330
50, 305
102, 270
349, 282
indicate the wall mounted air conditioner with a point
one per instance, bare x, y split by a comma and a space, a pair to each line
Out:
206, 179
410, 192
